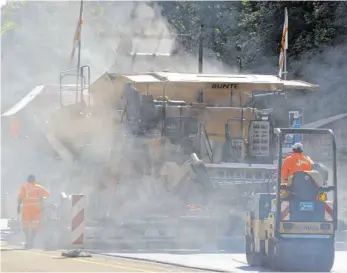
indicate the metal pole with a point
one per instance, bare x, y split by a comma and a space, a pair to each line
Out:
302, 123
285, 64
333, 139
201, 41
79, 52
239, 57
278, 190
285, 72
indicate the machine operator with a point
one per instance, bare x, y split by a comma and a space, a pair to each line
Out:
295, 162
30, 199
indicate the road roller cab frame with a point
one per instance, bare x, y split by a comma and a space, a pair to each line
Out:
303, 237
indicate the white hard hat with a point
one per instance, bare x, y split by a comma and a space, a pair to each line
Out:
298, 146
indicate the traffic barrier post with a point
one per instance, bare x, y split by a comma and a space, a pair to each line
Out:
77, 228
77, 222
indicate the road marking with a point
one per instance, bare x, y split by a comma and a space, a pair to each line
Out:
91, 262
152, 264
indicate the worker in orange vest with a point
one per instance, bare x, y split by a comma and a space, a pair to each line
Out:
296, 162
30, 200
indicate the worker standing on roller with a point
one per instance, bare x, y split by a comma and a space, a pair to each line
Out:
296, 162
30, 200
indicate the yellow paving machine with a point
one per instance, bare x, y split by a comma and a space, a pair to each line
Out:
175, 156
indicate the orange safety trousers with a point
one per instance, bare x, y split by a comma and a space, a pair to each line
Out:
31, 219
31, 195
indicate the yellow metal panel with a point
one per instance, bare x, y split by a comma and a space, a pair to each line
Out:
259, 229
215, 119
104, 91
248, 223
154, 89
306, 228
266, 246
257, 244
258, 82
218, 90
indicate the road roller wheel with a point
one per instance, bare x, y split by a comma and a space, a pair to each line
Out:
273, 258
323, 263
317, 262
253, 258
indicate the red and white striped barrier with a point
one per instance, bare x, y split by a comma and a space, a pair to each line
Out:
77, 224
285, 210
328, 211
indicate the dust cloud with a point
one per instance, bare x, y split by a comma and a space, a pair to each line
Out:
43, 41
328, 70
45, 48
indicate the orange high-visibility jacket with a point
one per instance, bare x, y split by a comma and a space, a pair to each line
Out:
295, 163
31, 194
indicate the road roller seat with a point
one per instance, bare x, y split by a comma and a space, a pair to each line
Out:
304, 186
303, 204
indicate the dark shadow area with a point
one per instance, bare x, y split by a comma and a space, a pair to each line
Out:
253, 269
63, 258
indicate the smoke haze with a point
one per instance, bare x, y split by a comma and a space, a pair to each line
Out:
38, 50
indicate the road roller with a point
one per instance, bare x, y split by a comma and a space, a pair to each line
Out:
293, 229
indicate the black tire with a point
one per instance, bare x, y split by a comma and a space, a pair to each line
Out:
324, 264
253, 258
272, 261
317, 263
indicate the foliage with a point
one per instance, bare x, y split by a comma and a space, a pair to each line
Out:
250, 30
10, 11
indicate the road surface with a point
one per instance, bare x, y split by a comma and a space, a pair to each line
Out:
14, 259
235, 263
